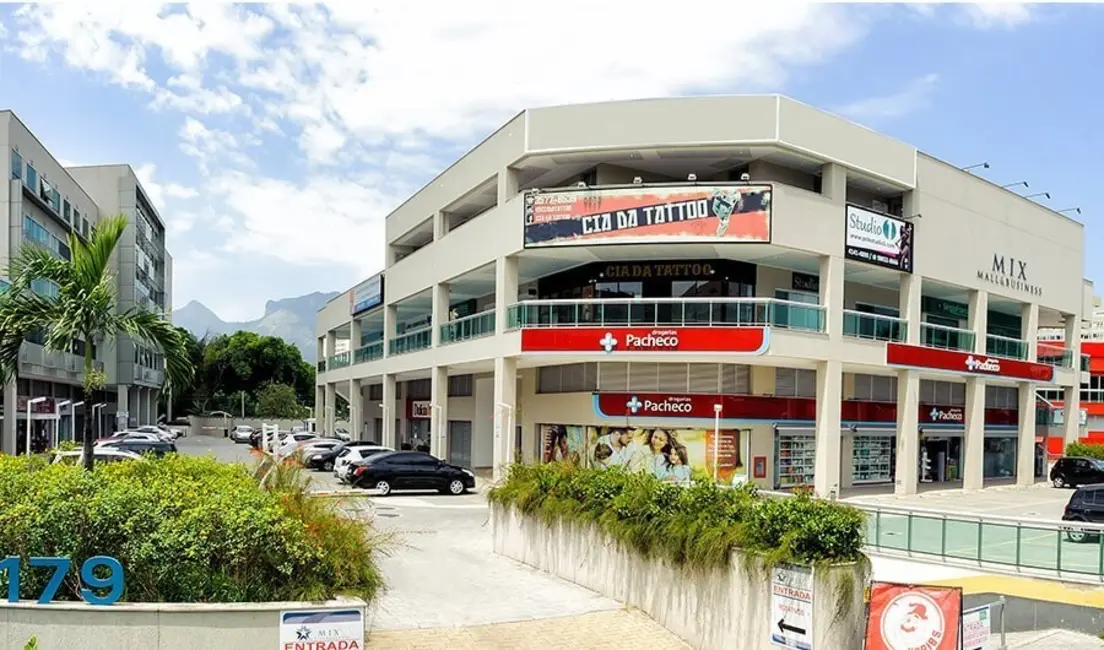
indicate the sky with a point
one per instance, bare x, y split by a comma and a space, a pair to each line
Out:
274, 139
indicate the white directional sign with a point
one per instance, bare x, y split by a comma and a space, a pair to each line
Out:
976, 628
791, 610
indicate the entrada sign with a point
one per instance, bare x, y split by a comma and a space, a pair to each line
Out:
648, 340
1009, 272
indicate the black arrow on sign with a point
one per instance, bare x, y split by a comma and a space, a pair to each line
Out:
789, 628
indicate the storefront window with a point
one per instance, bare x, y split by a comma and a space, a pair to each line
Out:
872, 459
1000, 457
795, 458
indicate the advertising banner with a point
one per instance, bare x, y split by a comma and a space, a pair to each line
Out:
670, 454
419, 409
633, 215
650, 340
366, 295
909, 617
915, 356
878, 239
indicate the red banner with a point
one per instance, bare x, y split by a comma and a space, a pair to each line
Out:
912, 617
915, 356
760, 407
649, 340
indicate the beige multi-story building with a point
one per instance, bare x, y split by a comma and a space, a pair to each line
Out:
44, 203
745, 286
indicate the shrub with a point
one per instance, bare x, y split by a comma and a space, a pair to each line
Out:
699, 525
1085, 450
185, 530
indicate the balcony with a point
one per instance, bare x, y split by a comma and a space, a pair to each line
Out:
468, 327
946, 338
668, 312
874, 327
418, 339
339, 360
1003, 346
1054, 355
370, 352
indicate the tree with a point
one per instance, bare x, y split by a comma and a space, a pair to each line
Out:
83, 311
278, 401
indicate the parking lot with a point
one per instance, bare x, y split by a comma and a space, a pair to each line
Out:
1037, 502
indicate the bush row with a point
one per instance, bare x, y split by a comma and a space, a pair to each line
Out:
699, 525
185, 529
1085, 450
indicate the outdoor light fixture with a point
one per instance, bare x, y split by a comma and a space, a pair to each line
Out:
745, 177
1016, 184
693, 178
581, 185
982, 165
31, 402
637, 180
1031, 196
1063, 211
717, 408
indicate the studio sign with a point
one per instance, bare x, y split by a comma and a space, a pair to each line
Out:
1011, 273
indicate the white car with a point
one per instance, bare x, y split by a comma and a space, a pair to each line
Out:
132, 435
342, 434
99, 455
241, 433
291, 443
353, 452
167, 436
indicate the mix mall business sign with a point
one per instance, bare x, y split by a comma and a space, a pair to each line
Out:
770, 408
924, 358
650, 340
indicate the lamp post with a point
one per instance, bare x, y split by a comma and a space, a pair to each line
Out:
31, 402
96, 417
57, 419
436, 429
500, 436
73, 418
716, 438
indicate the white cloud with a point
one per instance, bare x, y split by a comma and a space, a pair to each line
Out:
914, 96
989, 15
157, 191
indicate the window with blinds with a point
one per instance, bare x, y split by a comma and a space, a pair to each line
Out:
644, 377
570, 378
460, 386
875, 388
375, 392
794, 382
1002, 397
418, 389
943, 393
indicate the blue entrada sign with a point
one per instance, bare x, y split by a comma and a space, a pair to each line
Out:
92, 580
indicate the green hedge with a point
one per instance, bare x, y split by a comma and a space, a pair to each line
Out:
698, 525
1084, 450
185, 529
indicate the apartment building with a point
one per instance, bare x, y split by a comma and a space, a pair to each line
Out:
745, 286
44, 204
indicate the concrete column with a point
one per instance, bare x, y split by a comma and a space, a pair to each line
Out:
979, 319
1072, 402
504, 409
390, 323
1029, 329
356, 405
911, 311
122, 404
356, 332
831, 294
440, 310
388, 412
973, 456
438, 424
319, 406
440, 224
320, 353
908, 433
1025, 438
331, 343
331, 407
507, 184
7, 436
506, 289
828, 400
833, 183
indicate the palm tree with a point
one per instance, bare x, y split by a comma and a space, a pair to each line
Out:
83, 310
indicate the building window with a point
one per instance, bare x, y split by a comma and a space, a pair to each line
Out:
31, 180
84, 227
65, 210
16, 165
460, 386
571, 378
794, 382
375, 392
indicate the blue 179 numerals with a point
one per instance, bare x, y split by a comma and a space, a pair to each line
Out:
114, 582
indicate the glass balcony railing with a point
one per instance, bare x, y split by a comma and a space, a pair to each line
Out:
468, 327
370, 352
947, 338
1054, 355
875, 327
667, 312
1003, 346
339, 360
411, 341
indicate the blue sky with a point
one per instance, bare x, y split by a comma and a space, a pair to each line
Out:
275, 140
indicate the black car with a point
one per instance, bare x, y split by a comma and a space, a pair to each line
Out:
324, 460
411, 470
1073, 471
1086, 504
139, 446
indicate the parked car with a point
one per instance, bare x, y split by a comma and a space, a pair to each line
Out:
1071, 471
309, 448
255, 437
324, 459
164, 434
342, 434
99, 455
411, 470
241, 433
130, 435
139, 446
1086, 504
290, 444
351, 453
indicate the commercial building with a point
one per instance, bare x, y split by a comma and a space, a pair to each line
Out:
745, 286
44, 203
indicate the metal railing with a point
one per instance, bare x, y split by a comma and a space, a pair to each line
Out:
667, 312
411, 341
947, 338
1054, 355
874, 327
1003, 346
468, 327
369, 352
339, 360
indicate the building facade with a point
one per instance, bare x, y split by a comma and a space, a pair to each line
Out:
742, 286
45, 203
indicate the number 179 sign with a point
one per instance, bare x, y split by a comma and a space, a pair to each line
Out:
96, 583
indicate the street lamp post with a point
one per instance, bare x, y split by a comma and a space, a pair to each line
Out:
387, 422
436, 429
717, 408
73, 418
95, 408
31, 402
57, 419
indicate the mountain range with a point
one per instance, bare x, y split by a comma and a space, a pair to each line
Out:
291, 319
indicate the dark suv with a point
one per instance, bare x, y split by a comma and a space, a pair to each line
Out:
1073, 471
1086, 504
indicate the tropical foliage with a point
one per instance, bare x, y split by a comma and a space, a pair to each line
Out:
185, 529
699, 526
1085, 450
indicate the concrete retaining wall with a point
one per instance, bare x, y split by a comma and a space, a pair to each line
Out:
713, 609
214, 426
149, 626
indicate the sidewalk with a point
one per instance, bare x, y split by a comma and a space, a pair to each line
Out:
1051, 639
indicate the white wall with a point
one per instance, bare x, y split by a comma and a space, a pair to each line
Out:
482, 423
